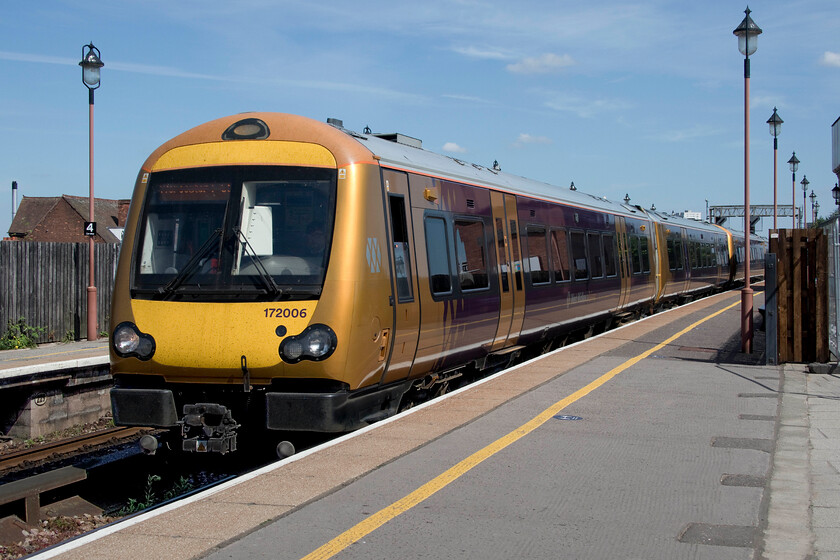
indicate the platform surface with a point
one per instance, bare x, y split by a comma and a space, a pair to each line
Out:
640, 443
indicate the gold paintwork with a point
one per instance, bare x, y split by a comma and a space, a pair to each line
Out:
245, 152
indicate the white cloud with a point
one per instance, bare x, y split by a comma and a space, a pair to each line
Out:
585, 107
483, 53
697, 131
525, 138
544, 64
831, 59
453, 148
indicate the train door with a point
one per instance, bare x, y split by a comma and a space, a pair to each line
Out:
405, 300
624, 270
508, 251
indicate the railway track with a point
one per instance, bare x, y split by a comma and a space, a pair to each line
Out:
64, 447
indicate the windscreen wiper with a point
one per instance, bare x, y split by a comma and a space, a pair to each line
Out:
190, 265
271, 286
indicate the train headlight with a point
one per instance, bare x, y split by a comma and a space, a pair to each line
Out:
316, 342
129, 342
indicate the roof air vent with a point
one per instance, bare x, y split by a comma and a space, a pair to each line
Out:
338, 123
401, 139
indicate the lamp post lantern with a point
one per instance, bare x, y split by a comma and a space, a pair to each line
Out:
775, 122
794, 166
835, 192
91, 65
813, 197
805, 182
747, 33
816, 212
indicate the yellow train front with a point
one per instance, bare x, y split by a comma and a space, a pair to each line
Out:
251, 288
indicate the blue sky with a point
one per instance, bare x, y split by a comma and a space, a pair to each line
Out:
641, 97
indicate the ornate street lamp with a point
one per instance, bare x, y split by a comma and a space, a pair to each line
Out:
816, 212
835, 192
775, 122
805, 182
813, 197
91, 64
794, 166
747, 33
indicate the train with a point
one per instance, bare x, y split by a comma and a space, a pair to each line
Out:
284, 275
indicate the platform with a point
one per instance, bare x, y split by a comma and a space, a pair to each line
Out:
656, 440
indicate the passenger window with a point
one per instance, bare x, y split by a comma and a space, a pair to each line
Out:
437, 249
402, 256
678, 250
579, 255
643, 253
634, 254
609, 254
503, 266
560, 255
538, 255
672, 256
517, 263
596, 257
471, 255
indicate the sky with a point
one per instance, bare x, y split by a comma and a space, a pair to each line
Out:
644, 98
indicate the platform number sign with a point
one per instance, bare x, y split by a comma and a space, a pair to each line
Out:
90, 229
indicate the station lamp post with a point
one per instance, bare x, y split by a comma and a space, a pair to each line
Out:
813, 198
775, 122
805, 182
91, 64
747, 33
794, 166
816, 212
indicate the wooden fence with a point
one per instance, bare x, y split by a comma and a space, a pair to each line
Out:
46, 285
802, 294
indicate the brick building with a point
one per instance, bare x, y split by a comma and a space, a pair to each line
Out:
62, 218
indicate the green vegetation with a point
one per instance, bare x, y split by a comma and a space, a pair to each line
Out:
181, 486
20, 335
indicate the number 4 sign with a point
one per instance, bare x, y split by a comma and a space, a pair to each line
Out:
90, 229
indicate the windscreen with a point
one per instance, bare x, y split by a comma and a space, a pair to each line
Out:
235, 233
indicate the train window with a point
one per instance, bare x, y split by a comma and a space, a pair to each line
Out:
609, 254
560, 255
517, 263
672, 255
596, 256
245, 232
471, 255
538, 255
678, 253
437, 249
402, 256
579, 255
503, 267
634, 254
643, 253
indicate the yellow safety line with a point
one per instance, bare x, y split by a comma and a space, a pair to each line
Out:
378, 519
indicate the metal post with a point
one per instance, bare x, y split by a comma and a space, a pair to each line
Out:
14, 198
746, 292
92, 331
775, 179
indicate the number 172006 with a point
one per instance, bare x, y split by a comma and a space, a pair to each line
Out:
285, 312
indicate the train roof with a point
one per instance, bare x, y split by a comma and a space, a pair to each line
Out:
405, 152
